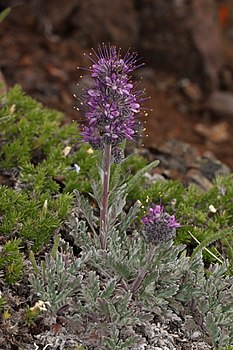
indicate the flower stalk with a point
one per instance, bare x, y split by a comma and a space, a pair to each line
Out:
105, 195
113, 105
142, 273
158, 227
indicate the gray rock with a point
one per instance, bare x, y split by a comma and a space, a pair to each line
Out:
196, 336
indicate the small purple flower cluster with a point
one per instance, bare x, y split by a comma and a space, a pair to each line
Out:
159, 226
112, 103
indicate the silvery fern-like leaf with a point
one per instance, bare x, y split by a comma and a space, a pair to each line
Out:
58, 278
109, 288
196, 265
212, 328
115, 318
114, 210
168, 292
129, 217
127, 344
97, 191
115, 177
81, 235
124, 304
86, 209
120, 344
117, 193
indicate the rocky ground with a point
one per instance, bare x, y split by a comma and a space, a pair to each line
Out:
192, 102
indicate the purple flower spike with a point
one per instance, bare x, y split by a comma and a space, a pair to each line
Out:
113, 104
159, 226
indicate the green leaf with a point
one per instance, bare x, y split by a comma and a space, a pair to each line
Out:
108, 289
213, 329
130, 217
124, 303
133, 182
87, 210
33, 262
4, 13
168, 292
55, 246
127, 344
115, 176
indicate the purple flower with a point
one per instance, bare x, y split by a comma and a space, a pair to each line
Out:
158, 225
113, 104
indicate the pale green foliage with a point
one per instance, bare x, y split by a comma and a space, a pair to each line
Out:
217, 306
58, 277
209, 296
173, 281
108, 306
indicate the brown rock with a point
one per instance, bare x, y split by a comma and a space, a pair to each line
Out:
217, 133
194, 176
191, 90
58, 12
103, 20
182, 161
183, 36
211, 168
206, 34
92, 21
220, 103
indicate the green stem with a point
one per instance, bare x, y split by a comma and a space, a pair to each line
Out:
105, 195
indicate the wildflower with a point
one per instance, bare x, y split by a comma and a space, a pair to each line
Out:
75, 167
212, 209
113, 106
90, 151
40, 306
159, 226
112, 103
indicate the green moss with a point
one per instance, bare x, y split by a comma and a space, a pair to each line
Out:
32, 142
11, 261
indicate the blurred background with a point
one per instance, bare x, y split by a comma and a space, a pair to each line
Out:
187, 46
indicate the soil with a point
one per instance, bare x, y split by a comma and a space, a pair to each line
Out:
45, 65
